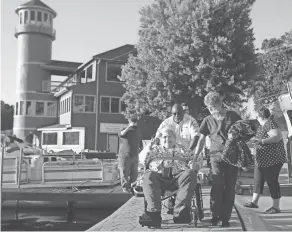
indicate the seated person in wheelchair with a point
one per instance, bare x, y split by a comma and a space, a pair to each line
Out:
168, 166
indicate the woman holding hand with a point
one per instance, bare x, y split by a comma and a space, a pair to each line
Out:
269, 159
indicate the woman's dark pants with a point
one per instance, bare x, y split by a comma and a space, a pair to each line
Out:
222, 194
269, 175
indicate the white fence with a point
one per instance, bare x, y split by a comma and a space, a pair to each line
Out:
11, 169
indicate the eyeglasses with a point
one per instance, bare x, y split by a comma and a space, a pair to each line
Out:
176, 113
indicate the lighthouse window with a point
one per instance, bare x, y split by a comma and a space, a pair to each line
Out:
40, 108
46, 18
32, 16
40, 16
16, 108
21, 108
25, 17
20, 18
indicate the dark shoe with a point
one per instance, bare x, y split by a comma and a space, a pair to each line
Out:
225, 224
250, 205
272, 210
214, 221
150, 219
184, 216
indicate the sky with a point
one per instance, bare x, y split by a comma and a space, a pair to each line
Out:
88, 27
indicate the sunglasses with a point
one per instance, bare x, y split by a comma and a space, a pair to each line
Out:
176, 113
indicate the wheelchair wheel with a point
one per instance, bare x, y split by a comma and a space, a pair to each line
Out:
194, 212
199, 202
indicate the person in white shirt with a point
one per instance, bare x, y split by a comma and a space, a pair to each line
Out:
185, 127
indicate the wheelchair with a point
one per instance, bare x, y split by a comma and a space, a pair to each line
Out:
197, 206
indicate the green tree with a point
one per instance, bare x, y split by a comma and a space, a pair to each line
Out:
274, 68
186, 49
7, 112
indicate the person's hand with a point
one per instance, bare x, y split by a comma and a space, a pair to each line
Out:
256, 141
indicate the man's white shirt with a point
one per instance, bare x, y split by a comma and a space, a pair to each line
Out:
185, 131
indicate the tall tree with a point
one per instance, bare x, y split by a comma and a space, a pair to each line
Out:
186, 49
275, 68
7, 112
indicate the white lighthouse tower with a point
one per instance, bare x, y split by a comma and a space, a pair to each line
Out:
35, 105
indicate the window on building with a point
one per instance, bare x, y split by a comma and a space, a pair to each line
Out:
71, 138
89, 76
32, 16
84, 103
110, 105
28, 108
69, 104
46, 159
113, 71
21, 108
115, 105
40, 108
25, 17
16, 108
53, 159
20, 18
39, 18
83, 77
50, 138
51, 109
105, 105
89, 103
78, 103
123, 106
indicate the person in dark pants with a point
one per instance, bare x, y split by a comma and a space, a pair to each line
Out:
130, 143
269, 159
224, 175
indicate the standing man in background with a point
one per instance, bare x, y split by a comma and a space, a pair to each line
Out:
186, 108
185, 127
130, 142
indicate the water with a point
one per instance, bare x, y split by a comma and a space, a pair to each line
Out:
51, 219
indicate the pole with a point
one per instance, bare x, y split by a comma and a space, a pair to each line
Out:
2, 171
19, 180
19, 168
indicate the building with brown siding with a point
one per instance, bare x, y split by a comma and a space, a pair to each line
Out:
81, 112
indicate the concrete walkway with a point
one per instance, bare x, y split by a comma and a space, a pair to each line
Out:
256, 220
126, 219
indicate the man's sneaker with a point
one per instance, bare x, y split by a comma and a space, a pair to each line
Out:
214, 221
184, 216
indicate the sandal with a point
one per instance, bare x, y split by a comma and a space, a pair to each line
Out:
250, 205
272, 210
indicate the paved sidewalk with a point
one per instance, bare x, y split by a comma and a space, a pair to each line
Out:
256, 220
126, 219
